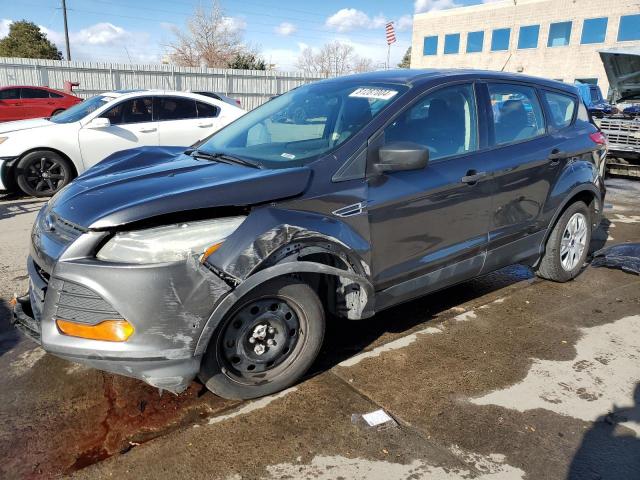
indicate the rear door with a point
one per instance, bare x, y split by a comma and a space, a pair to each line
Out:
524, 164
429, 227
182, 121
36, 102
131, 126
10, 105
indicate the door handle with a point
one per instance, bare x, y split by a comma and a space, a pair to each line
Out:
472, 177
556, 155
205, 125
147, 130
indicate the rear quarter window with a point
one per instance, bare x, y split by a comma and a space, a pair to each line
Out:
562, 108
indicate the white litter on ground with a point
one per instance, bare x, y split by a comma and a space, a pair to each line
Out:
377, 417
602, 378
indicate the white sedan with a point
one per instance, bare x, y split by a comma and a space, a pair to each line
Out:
40, 156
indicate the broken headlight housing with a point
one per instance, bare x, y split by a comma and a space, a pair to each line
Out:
169, 243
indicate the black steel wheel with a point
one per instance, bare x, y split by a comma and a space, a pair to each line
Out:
43, 173
267, 342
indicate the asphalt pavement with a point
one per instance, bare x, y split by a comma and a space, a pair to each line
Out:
503, 377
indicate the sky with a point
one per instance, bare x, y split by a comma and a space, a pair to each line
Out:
138, 31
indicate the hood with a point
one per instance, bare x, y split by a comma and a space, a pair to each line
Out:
146, 182
623, 70
7, 127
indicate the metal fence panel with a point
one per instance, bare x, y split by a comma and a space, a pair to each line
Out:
251, 87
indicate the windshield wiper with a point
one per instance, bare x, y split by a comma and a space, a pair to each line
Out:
222, 158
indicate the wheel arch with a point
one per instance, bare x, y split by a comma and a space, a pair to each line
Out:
360, 302
589, 194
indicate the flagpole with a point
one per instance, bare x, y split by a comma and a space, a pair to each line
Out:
388, 55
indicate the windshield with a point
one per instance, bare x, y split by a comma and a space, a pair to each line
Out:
303, 124
81, 110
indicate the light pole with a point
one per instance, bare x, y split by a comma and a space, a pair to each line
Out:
66, 29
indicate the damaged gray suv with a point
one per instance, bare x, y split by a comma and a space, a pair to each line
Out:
223, 260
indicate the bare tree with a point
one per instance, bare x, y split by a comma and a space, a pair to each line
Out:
210, 39
333, 59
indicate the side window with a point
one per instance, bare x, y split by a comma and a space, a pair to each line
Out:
517, 114
55, 95
562, 108
10, 94
444, 121
206, 110
34, 93
136, 110
176, 108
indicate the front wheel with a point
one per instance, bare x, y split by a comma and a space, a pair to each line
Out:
42, 173
267, 342
568, 245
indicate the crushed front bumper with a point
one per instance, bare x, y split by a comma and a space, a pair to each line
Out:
168, 305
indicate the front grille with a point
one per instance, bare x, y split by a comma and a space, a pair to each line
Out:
59, 229
622, 133
81, 304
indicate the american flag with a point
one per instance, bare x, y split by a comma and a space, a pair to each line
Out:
391, 34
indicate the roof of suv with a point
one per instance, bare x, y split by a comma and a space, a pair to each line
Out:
419, 76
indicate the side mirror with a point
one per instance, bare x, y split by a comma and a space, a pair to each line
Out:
99, 122
401, 156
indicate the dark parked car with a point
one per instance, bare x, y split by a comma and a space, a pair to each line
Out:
223, 260
20, 103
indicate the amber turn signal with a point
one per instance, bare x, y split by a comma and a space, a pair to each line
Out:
109, 330
210, 250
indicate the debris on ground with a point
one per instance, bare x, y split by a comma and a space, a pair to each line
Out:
625, 256
373, 419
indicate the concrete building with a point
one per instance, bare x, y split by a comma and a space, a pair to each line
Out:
557, 39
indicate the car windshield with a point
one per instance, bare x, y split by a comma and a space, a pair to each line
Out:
303, 124
81, 110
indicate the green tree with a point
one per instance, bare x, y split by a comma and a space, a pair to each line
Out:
247, 61
406, 60
27, 41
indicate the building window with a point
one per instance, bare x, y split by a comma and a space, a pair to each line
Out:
452, 43
500, 39
430, 45
629, 28
528, 36
559, 34
475, 42
594, 30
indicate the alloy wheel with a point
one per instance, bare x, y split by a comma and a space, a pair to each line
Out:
45, 175
573, 243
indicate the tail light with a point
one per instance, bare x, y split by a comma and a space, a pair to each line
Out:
238, 103
598, 137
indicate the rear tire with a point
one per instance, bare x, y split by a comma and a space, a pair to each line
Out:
42, 173
57, 112
568, 245
267, 341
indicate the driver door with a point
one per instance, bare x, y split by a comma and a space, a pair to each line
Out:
429, 227
131, 126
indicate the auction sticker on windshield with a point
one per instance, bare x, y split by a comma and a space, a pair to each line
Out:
377, 93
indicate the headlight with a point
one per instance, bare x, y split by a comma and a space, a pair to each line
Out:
3, 139
169, 243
